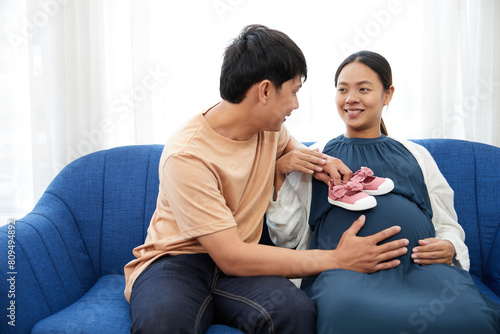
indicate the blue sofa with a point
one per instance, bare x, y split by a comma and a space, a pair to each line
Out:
62, 264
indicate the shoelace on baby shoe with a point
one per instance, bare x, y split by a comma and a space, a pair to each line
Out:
372, 185
362, 174
350, 196
341, 190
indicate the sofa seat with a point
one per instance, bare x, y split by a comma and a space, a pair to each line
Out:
103, 306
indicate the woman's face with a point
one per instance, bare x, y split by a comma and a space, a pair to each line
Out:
360, 99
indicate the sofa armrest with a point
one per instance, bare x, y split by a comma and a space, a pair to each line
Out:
48, 268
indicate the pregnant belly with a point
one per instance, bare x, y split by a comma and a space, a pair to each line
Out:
391, 209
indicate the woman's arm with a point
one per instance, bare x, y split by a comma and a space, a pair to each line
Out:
444, 216
288, 214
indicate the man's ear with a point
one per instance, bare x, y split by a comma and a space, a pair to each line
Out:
264, 90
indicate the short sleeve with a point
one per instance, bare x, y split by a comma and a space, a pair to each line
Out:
194, 197
284, 138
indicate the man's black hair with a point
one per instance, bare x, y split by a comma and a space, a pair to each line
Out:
259, 53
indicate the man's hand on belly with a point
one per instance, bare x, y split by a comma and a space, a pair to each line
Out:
364, 254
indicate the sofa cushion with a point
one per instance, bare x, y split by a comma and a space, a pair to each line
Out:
104, 306
485, 290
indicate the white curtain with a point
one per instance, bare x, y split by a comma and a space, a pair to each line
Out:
461, 73
84, 75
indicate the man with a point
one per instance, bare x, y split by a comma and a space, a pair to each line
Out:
201, 261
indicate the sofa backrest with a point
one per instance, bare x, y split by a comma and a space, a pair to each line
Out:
472, 171
112, 195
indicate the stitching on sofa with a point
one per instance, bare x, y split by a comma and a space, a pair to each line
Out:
79, 232
485, 259
65, 245
18, 244
50, 256
146, 190
491, 249
103, 209
479, 232
149, 185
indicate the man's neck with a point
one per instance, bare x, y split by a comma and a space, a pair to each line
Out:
231, 120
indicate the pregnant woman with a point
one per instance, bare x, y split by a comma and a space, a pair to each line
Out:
431, 290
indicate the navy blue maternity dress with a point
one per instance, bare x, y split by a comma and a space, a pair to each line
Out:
409, 298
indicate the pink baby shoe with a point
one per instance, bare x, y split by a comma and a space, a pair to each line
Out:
372, 185
350, 196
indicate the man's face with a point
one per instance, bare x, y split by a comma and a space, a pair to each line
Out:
283, 102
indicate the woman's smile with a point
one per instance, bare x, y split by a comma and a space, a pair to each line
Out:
354, 111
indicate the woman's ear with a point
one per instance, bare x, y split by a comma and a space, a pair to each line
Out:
388, 95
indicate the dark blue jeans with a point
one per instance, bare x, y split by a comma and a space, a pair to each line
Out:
187, 293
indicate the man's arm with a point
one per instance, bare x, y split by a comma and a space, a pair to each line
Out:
297, 157
300, 158
362, 254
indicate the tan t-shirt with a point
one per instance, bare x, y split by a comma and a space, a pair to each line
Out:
208, 183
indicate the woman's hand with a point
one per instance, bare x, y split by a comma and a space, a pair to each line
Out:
433, 250
334, 169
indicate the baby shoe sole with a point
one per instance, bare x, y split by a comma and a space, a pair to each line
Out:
360, 205
383, 189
